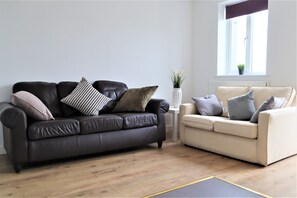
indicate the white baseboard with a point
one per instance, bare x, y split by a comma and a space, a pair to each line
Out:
2, 150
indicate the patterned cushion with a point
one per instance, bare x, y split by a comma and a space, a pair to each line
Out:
86, 98
32, 105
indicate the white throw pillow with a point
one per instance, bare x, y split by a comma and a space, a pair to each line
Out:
32, 105
86, 98
278, 102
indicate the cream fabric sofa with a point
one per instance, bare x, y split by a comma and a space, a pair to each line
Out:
272, 139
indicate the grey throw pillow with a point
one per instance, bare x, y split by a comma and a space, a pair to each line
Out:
241, 107
86, 98
208, 105
268, 104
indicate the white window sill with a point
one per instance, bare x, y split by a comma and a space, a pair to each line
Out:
243, 76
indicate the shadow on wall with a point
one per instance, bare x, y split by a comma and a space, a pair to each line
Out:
5, 93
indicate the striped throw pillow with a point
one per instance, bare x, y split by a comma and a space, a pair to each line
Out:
86, 98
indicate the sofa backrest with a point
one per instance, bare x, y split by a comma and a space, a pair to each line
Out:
64, 88
263, 93
111, 89
45, 91
51, 94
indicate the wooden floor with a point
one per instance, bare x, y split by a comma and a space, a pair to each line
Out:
140, 172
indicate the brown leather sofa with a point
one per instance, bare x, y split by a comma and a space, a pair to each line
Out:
73, 134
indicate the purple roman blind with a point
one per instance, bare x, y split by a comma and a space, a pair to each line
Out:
246, 7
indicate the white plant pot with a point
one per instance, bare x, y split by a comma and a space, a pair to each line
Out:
177, 96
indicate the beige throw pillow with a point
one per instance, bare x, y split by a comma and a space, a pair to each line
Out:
135, 100
32, 105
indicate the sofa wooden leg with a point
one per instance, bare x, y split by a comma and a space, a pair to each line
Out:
160, 144
17, 167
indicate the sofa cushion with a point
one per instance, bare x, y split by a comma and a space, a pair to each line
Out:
238, 128
99, 123
45, 91
53, 128
64, 89
86, 98
261, 94
208, 105
224, 93
268, 104
278, 102
241, 107
31, 105
111, 89
135, 100
201, 122
136, 120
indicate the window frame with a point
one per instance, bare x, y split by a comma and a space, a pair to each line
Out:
224, 66
248, 47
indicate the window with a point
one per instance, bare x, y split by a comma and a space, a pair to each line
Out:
245, 38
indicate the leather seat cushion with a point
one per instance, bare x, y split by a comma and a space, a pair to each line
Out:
201, 122
53, 128
136, 120
100, 123
238, 128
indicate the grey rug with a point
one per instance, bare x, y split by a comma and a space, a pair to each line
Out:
209, 187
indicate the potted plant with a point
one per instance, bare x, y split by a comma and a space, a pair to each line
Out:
177, 78
240, 69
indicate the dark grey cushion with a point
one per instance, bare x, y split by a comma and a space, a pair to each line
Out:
241, 107
136, 120
53, 128
268, 104
208, 105
99, 123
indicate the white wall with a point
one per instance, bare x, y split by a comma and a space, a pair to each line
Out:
136, 42
281, 49
281, 55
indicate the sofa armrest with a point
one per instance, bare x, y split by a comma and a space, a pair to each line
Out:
187, 108
277, 134
14, 121
11, 116
157, 106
